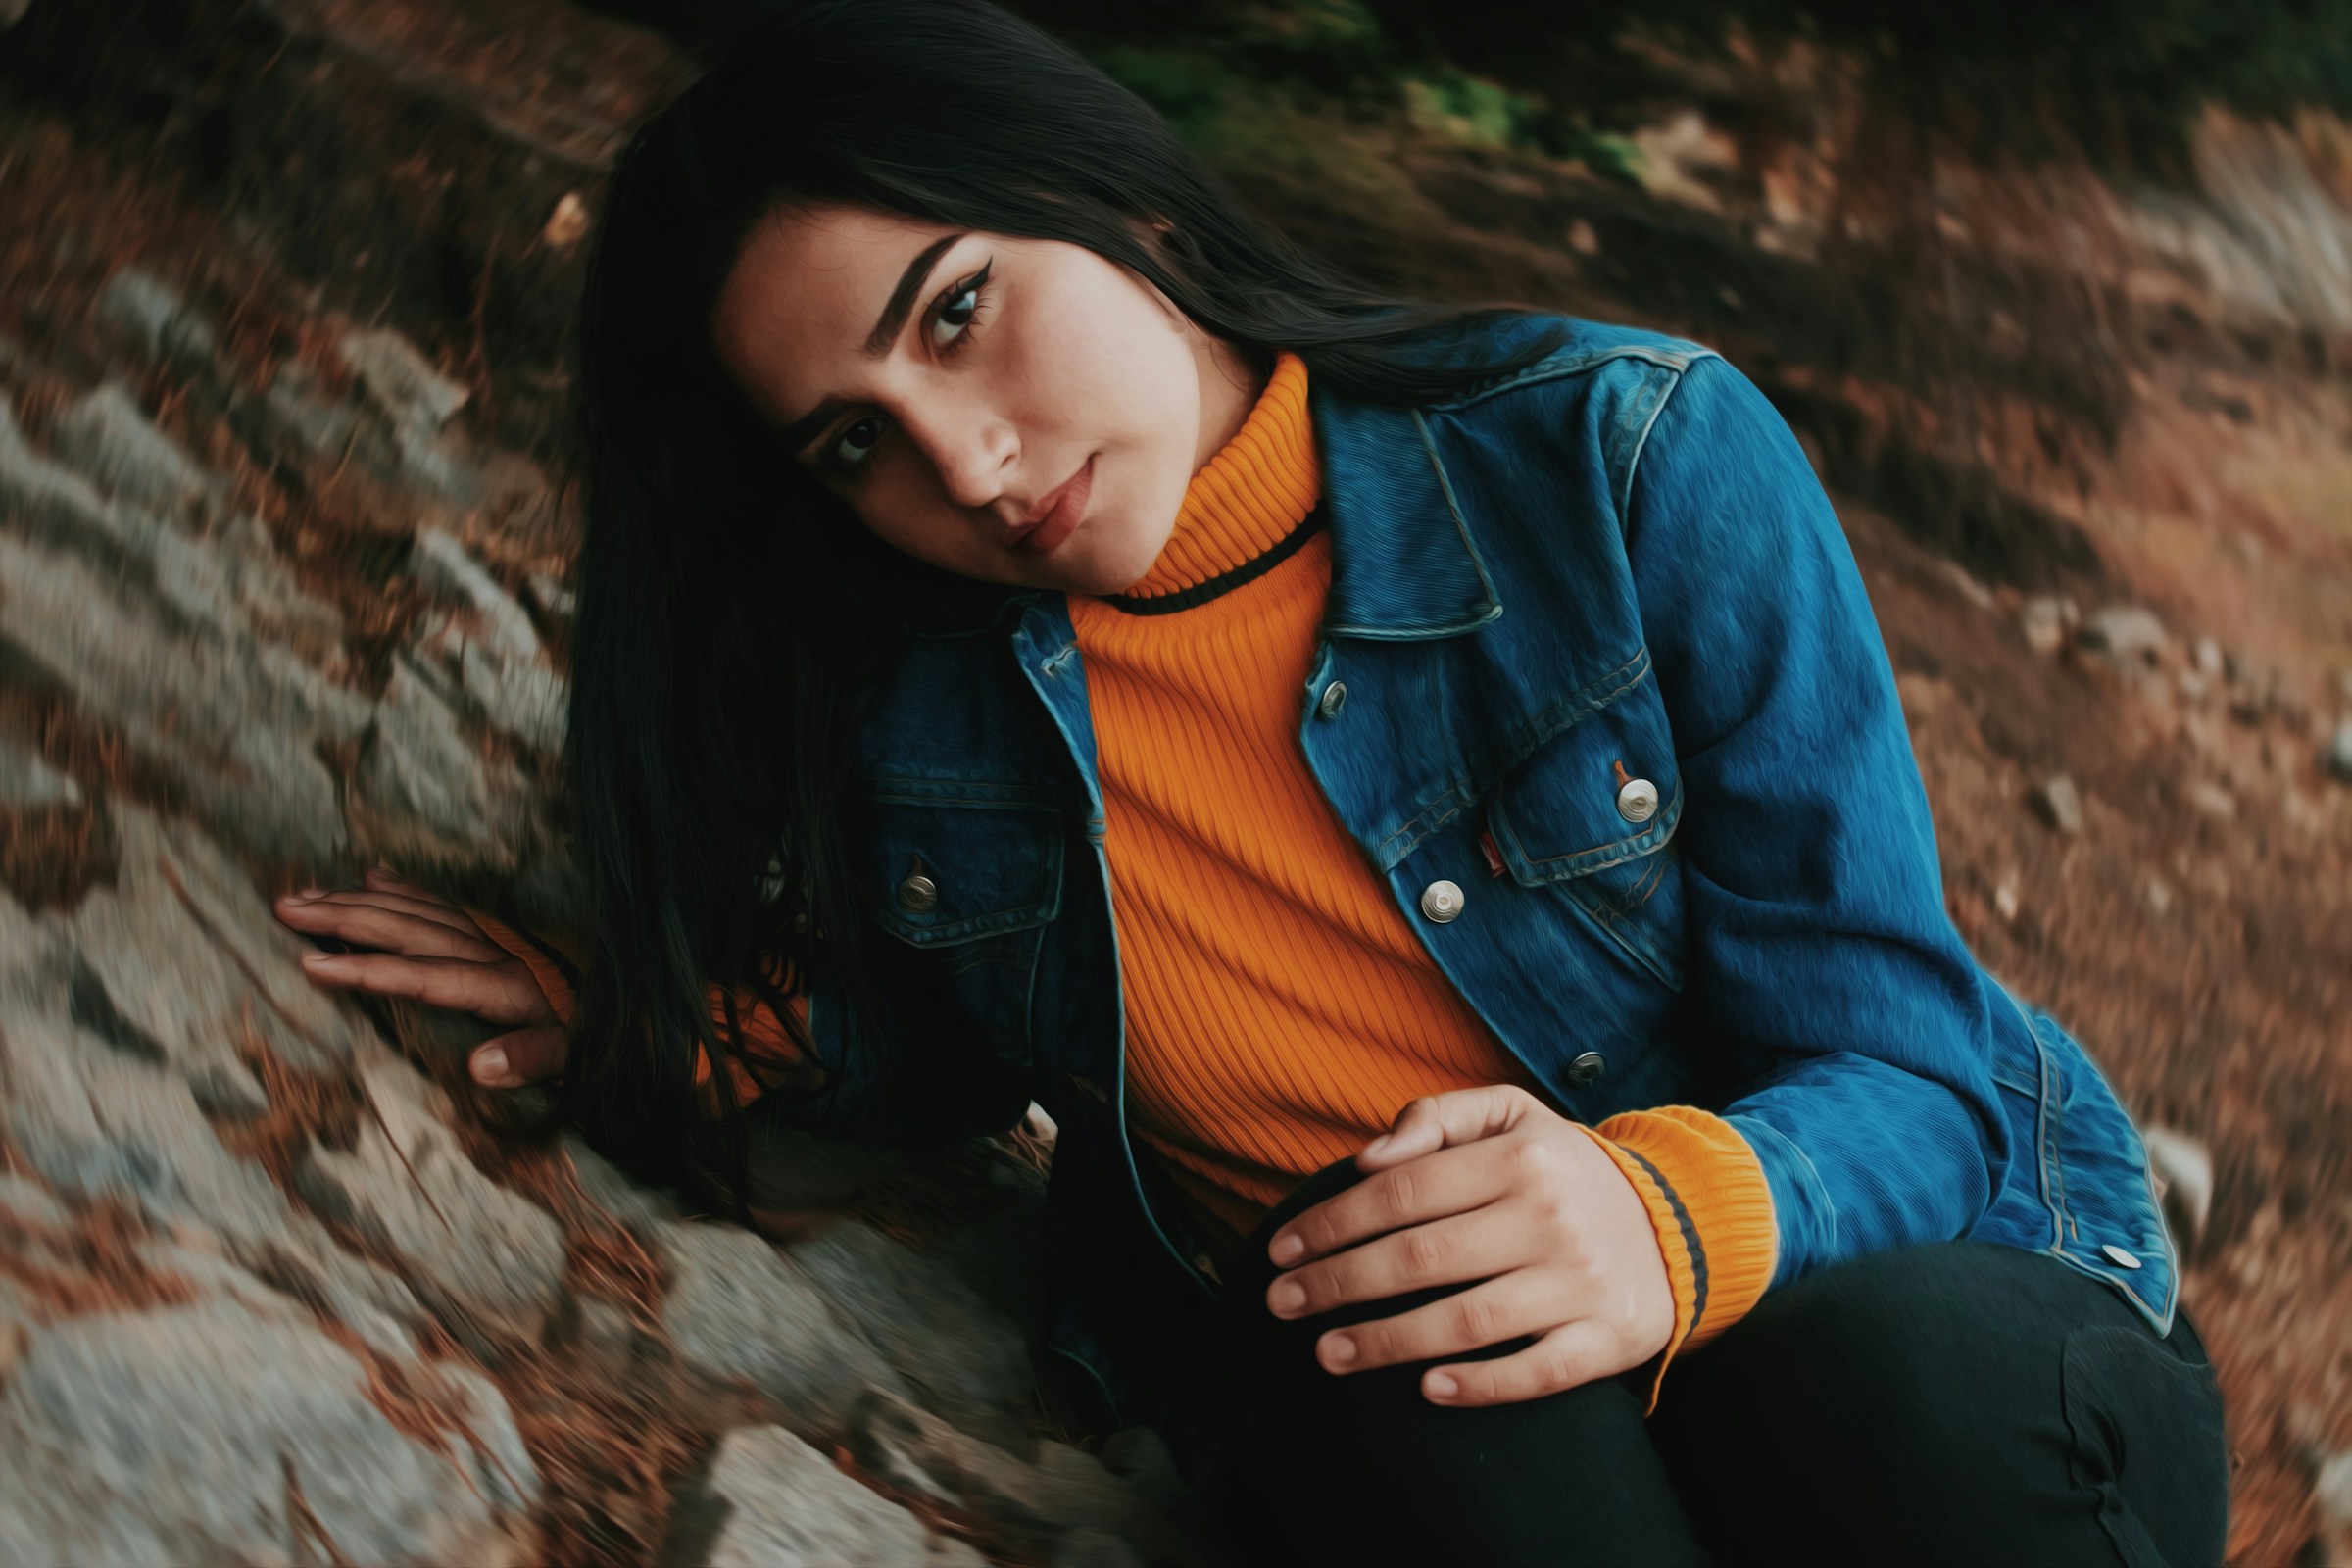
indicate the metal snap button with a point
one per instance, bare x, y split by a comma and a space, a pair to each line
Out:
1441, 900
2120, 1258
1587, 1067
1638, 800
918, 893
1333, 696
1206, 1265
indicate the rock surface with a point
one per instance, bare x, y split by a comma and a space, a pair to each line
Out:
780, 1504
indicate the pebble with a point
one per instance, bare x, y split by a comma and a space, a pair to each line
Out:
2210, 799
2045, 621
2059, 805
2123, 633
488, 1260
771, 1500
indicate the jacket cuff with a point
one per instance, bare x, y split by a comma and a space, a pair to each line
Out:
550, 966
1711, 1207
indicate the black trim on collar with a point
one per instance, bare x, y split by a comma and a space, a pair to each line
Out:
1224, 582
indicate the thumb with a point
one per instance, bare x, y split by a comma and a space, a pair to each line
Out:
522, 1057
1444, 1121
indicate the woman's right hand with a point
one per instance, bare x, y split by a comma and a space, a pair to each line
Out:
426, 949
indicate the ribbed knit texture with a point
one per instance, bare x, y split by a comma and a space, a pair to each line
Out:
1280, 1009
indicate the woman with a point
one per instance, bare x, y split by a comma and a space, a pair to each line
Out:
1416, 795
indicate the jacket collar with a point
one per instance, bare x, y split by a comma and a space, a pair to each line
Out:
1404, 564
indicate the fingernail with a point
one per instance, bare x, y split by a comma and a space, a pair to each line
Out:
308, 894
1441, 1387
1286, 1248
320, 960
1340, 1348
1377, 1144
1289, 1296
489, 1065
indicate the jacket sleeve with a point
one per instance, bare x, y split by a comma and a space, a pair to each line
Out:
770, 1056
1821, 955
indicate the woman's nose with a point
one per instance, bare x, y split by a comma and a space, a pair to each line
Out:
971, 451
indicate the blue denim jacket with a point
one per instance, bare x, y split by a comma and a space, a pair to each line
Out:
1617, 559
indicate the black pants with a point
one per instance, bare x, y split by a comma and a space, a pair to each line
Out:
1960, 1402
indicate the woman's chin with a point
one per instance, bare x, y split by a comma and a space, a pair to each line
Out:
1085, 566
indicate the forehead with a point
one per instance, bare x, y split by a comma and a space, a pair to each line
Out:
805, 288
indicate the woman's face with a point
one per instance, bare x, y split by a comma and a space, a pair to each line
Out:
1018, 410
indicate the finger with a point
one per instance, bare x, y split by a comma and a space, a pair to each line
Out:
502, 993
1450, 1181
1442, 1122
1572, 1354
393, 931
1475, 1245
439, 910
1512, 1304
524, 1056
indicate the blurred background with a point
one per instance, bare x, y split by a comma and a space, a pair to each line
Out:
2058, 298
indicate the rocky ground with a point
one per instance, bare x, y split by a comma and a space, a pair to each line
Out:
283, 542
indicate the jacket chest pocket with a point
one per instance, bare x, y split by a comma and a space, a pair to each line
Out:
967, 876
1590, 815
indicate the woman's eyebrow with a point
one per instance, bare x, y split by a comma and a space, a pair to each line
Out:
802, 430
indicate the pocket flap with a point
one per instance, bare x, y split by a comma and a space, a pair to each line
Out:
1601, 794
946, 862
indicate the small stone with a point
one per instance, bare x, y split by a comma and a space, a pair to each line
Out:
2208, 656
2185, 1169
106, 436
423, 790
2044, 624
29, 1204
2123, 633
2210, 799
770, 1500
439, 561
739, 1308
1961, 580
400, 382
2339, 751
2004, 898
1066, 1488
1582, 238
488, 1260
963, 1361
2157, 894
151, 315
2332, 1494
189, 1434
27, 783
2058, 804
552, 598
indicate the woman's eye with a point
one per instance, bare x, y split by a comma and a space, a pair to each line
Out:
851, 447
958, 308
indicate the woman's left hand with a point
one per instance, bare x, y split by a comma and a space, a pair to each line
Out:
1483, 1184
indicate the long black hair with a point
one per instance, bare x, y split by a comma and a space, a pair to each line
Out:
731, 609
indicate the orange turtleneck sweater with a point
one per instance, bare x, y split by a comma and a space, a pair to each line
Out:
1280, 1009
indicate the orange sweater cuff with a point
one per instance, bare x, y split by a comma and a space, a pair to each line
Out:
767, 1040
553, 981
1712, 1209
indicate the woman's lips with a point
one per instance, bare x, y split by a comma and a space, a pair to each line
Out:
1045, 535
